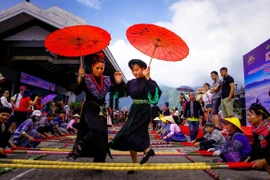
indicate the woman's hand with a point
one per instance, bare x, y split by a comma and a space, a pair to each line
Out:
259, 163
118, 77
146, 73
81, 72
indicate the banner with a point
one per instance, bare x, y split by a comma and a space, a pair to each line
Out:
34, 81
257, 76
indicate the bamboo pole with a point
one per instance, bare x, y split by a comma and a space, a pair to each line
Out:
5, 170
114, 154
134, 168
47, 162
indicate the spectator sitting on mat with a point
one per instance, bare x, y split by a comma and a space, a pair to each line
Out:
26, 133
57, 123
72, 126
45, 126
173, 132
236, 147
212, 139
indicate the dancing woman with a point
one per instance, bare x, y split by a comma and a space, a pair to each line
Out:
92, 137
134, 136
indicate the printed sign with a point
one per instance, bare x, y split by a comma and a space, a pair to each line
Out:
34, 81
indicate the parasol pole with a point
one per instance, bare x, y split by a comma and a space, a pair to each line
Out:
81, 60
152, 56
80, 46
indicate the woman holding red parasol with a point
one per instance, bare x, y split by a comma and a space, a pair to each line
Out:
81, 40
134, 136
92, 138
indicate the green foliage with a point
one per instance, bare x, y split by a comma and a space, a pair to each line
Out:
76, 106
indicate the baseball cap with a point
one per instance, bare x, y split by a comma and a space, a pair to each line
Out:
209, 124
36, 113
22, 87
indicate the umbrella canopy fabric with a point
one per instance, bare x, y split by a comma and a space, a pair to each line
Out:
79, 40
157, 42
48, 98
185, 89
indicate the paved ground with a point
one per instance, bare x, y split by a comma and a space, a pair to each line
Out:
50, 174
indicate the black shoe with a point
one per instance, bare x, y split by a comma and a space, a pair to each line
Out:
3, 156
77, 152
75, 155
151, 152
70, 155
130, 172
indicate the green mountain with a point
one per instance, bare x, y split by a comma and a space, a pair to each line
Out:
168, 95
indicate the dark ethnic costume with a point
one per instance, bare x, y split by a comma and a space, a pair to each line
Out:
92, 134
134, 134
261, 145
5, 134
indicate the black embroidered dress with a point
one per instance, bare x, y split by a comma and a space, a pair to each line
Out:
134, 134
93, 133
4, 135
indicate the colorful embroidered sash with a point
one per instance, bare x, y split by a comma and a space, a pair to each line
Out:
98, 91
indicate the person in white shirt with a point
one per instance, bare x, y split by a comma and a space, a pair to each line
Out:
4, 101
17, 97
207, 95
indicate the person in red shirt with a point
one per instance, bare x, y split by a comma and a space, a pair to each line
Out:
38, 105
21, 113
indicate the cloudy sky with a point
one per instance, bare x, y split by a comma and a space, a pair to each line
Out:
218, 32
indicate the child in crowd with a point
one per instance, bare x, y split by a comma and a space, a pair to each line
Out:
212, 139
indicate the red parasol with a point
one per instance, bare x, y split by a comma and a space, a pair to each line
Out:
157, 42
77, 40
